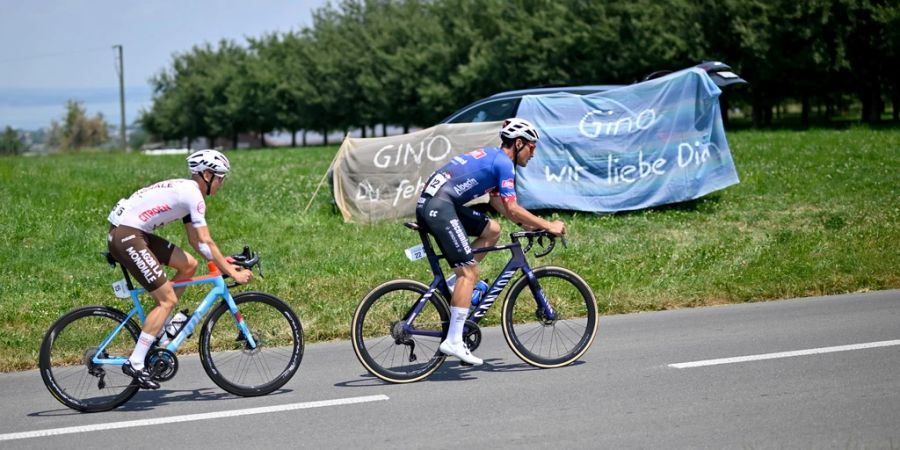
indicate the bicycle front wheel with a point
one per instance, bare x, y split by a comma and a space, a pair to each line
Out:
226, 355
543, 342
66, 359
381, 343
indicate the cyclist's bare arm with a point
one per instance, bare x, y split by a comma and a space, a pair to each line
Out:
202, 242
512, 211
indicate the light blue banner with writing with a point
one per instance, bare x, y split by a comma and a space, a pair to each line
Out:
651, 143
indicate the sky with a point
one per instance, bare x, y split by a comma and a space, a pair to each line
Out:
54, 50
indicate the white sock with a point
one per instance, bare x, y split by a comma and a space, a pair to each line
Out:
140, 350
457, 323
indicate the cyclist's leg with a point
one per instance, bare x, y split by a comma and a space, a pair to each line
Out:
451, 234
165, 295
185, 266
487, 238
144, 255
488, 232
153, 324
131, 247
165, 303
466, 278
451, 227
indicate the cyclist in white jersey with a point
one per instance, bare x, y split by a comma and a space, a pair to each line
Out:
132, 242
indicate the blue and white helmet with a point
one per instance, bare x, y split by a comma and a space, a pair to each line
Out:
518, 128
212, 160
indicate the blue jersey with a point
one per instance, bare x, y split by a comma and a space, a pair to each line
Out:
473, 174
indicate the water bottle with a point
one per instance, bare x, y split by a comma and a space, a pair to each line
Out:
175, 325
162, 338
480, 288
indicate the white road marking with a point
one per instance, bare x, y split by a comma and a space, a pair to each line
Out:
191, 417
812, 351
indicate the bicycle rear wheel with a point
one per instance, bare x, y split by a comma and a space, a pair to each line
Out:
66, 359
382, 345
235, 367
540, 341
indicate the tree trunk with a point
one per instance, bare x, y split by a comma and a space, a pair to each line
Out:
866, 107
363, 131
234, 140
759, 108
871, 98
262, 139
293, 138
895, 102
384, 125
804, 113
325, 137
304, 137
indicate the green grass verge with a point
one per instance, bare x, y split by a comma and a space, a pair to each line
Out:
816, 212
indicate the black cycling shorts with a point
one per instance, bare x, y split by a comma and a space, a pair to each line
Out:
142, 254
451, 225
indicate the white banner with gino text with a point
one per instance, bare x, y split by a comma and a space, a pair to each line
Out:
381, 178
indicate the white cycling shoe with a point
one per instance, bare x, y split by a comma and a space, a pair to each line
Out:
460, 351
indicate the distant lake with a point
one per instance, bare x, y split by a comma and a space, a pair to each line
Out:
32, 108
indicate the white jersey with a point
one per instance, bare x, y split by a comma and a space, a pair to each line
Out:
158, 204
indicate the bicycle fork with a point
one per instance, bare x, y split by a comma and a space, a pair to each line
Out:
544, 311
244, 331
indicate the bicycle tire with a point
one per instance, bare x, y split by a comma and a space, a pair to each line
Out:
242, 371
376, 332
543, 343
67, 349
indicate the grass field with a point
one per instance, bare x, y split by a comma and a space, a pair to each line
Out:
816, 212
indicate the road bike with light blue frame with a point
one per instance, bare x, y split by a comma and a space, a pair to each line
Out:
254, 354
549, 314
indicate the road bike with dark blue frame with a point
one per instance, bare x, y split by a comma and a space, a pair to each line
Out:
549, 315
254, 354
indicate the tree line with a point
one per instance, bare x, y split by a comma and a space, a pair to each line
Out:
412, 62
75, 132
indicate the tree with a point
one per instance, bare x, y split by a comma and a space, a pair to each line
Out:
282, 57
412, 62
869, 39
191, 98
77, 130
11, 143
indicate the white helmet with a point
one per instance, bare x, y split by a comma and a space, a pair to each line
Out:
208, 160
518, 128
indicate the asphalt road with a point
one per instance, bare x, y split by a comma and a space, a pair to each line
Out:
816, 386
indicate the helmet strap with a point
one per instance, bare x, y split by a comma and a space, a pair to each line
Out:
518, 146
208, 182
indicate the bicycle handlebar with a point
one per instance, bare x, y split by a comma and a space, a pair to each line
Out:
540, 235
246, 259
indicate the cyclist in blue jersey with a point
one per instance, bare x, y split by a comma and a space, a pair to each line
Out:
440, 211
